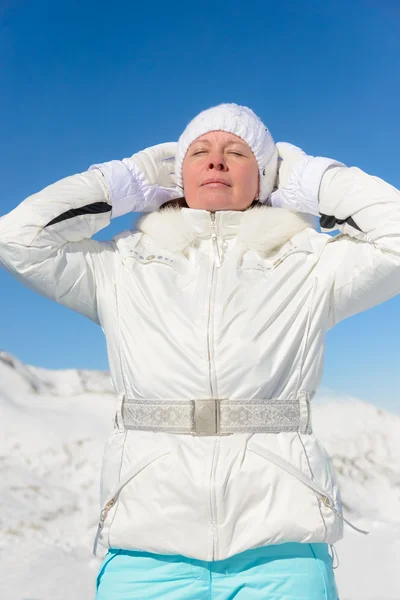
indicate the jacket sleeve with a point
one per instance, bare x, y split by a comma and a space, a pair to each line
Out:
364, 259
45, 241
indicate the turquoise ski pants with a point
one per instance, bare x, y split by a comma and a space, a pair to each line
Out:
283, 572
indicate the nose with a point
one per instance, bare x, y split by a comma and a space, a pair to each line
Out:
217, 162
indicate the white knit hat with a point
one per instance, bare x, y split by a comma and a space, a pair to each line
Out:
240, 121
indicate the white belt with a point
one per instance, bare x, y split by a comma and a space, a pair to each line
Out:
215, 416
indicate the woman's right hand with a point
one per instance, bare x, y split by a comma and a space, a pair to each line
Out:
143, 182
156, 166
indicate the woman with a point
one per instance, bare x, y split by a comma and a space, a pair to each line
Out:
215, 311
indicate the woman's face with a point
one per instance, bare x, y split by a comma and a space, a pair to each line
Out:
220, 172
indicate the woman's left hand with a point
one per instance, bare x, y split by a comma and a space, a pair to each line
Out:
299, 179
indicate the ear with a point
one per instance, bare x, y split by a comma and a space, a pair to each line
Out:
257, 196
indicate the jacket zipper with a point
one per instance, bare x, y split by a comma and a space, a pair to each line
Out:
214, 240
217, 263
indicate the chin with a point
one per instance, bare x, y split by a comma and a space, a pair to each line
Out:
213, 203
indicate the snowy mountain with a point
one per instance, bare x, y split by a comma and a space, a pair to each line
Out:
52, 430
364, 442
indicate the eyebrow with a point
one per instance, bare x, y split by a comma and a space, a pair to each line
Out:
243, 143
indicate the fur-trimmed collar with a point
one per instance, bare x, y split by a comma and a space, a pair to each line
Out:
263, 229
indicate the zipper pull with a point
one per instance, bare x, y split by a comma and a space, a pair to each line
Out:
214, 239
103, 516
326, 502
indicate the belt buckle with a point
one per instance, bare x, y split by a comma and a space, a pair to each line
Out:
206, 416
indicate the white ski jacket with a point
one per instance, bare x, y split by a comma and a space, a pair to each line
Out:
240, 314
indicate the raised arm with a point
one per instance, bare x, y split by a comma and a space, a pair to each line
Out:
362, 263
45, 241
366, 256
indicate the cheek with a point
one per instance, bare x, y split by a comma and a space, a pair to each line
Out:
184, 172
188, 175
249, 178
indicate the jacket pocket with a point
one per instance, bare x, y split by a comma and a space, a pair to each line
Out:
144, 460
313, 508
328, 501
280, 462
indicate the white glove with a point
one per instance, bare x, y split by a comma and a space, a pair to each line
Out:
143, 182
299, 179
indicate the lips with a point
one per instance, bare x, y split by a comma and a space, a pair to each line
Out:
215, 180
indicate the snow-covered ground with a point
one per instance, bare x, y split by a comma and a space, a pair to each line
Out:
364, 442
52, 430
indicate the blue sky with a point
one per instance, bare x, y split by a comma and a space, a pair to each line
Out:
83, 82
